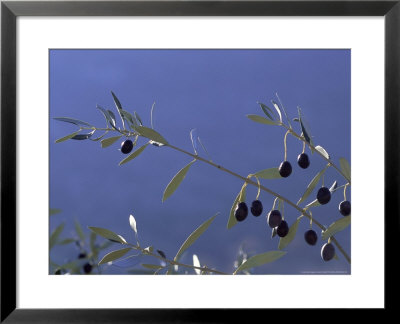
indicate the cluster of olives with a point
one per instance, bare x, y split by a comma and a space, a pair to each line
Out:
285, 168
242, 210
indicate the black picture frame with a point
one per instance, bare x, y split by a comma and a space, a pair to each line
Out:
10, 10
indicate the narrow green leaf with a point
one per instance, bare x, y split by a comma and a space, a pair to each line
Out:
114, 255
109, 141
113, 119
67, 137
277, 110
305, 130
345, 167
311, 186
261, 120
151, 134
321, 150
73, 121
152, 266
119, 108
81, 137
105, 114
285, 241
239, 198
108, 234
272, 173
260, 259
194, 236
138, 118
336, 227
54, 211
92, 242
266, 110
79, 231
54, 236
134, 154
67, 241
176, 181
128, 117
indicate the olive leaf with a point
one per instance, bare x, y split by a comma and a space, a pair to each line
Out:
336, 227
196, 263
176, 181
73, 121
55, 234
312, 185
151, 134
114, 255
67, 137
138, 118
81, 137
277, 110
194, 236
152, 266
321, 150
54, 211
345, 167
272, 173
260, 259
133, 154
306, 132
239, 198
267, 111
109, 141
285, 241
108, 234
261, 120
119, 108
79, 230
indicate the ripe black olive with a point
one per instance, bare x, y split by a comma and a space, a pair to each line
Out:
87, 268
323, 195
241, 212
256, 208
285, 169
327, 252
274, 218
303, 161
82, 255
311, 237
126, 146
345, 208
283, 229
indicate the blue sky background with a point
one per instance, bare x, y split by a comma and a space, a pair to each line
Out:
212, 91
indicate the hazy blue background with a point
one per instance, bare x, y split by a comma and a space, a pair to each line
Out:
212, 91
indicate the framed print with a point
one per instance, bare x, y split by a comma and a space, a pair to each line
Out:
162, 159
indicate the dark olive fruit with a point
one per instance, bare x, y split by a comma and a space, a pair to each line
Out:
274, 218
241, 212
327, 252
323, 195
256, 208
59, 272
283, 229
126, 146
303, 161
285, 169
311, 237
82, 255
345, 208
87, 268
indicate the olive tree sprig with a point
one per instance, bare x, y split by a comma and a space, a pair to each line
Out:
247, 180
